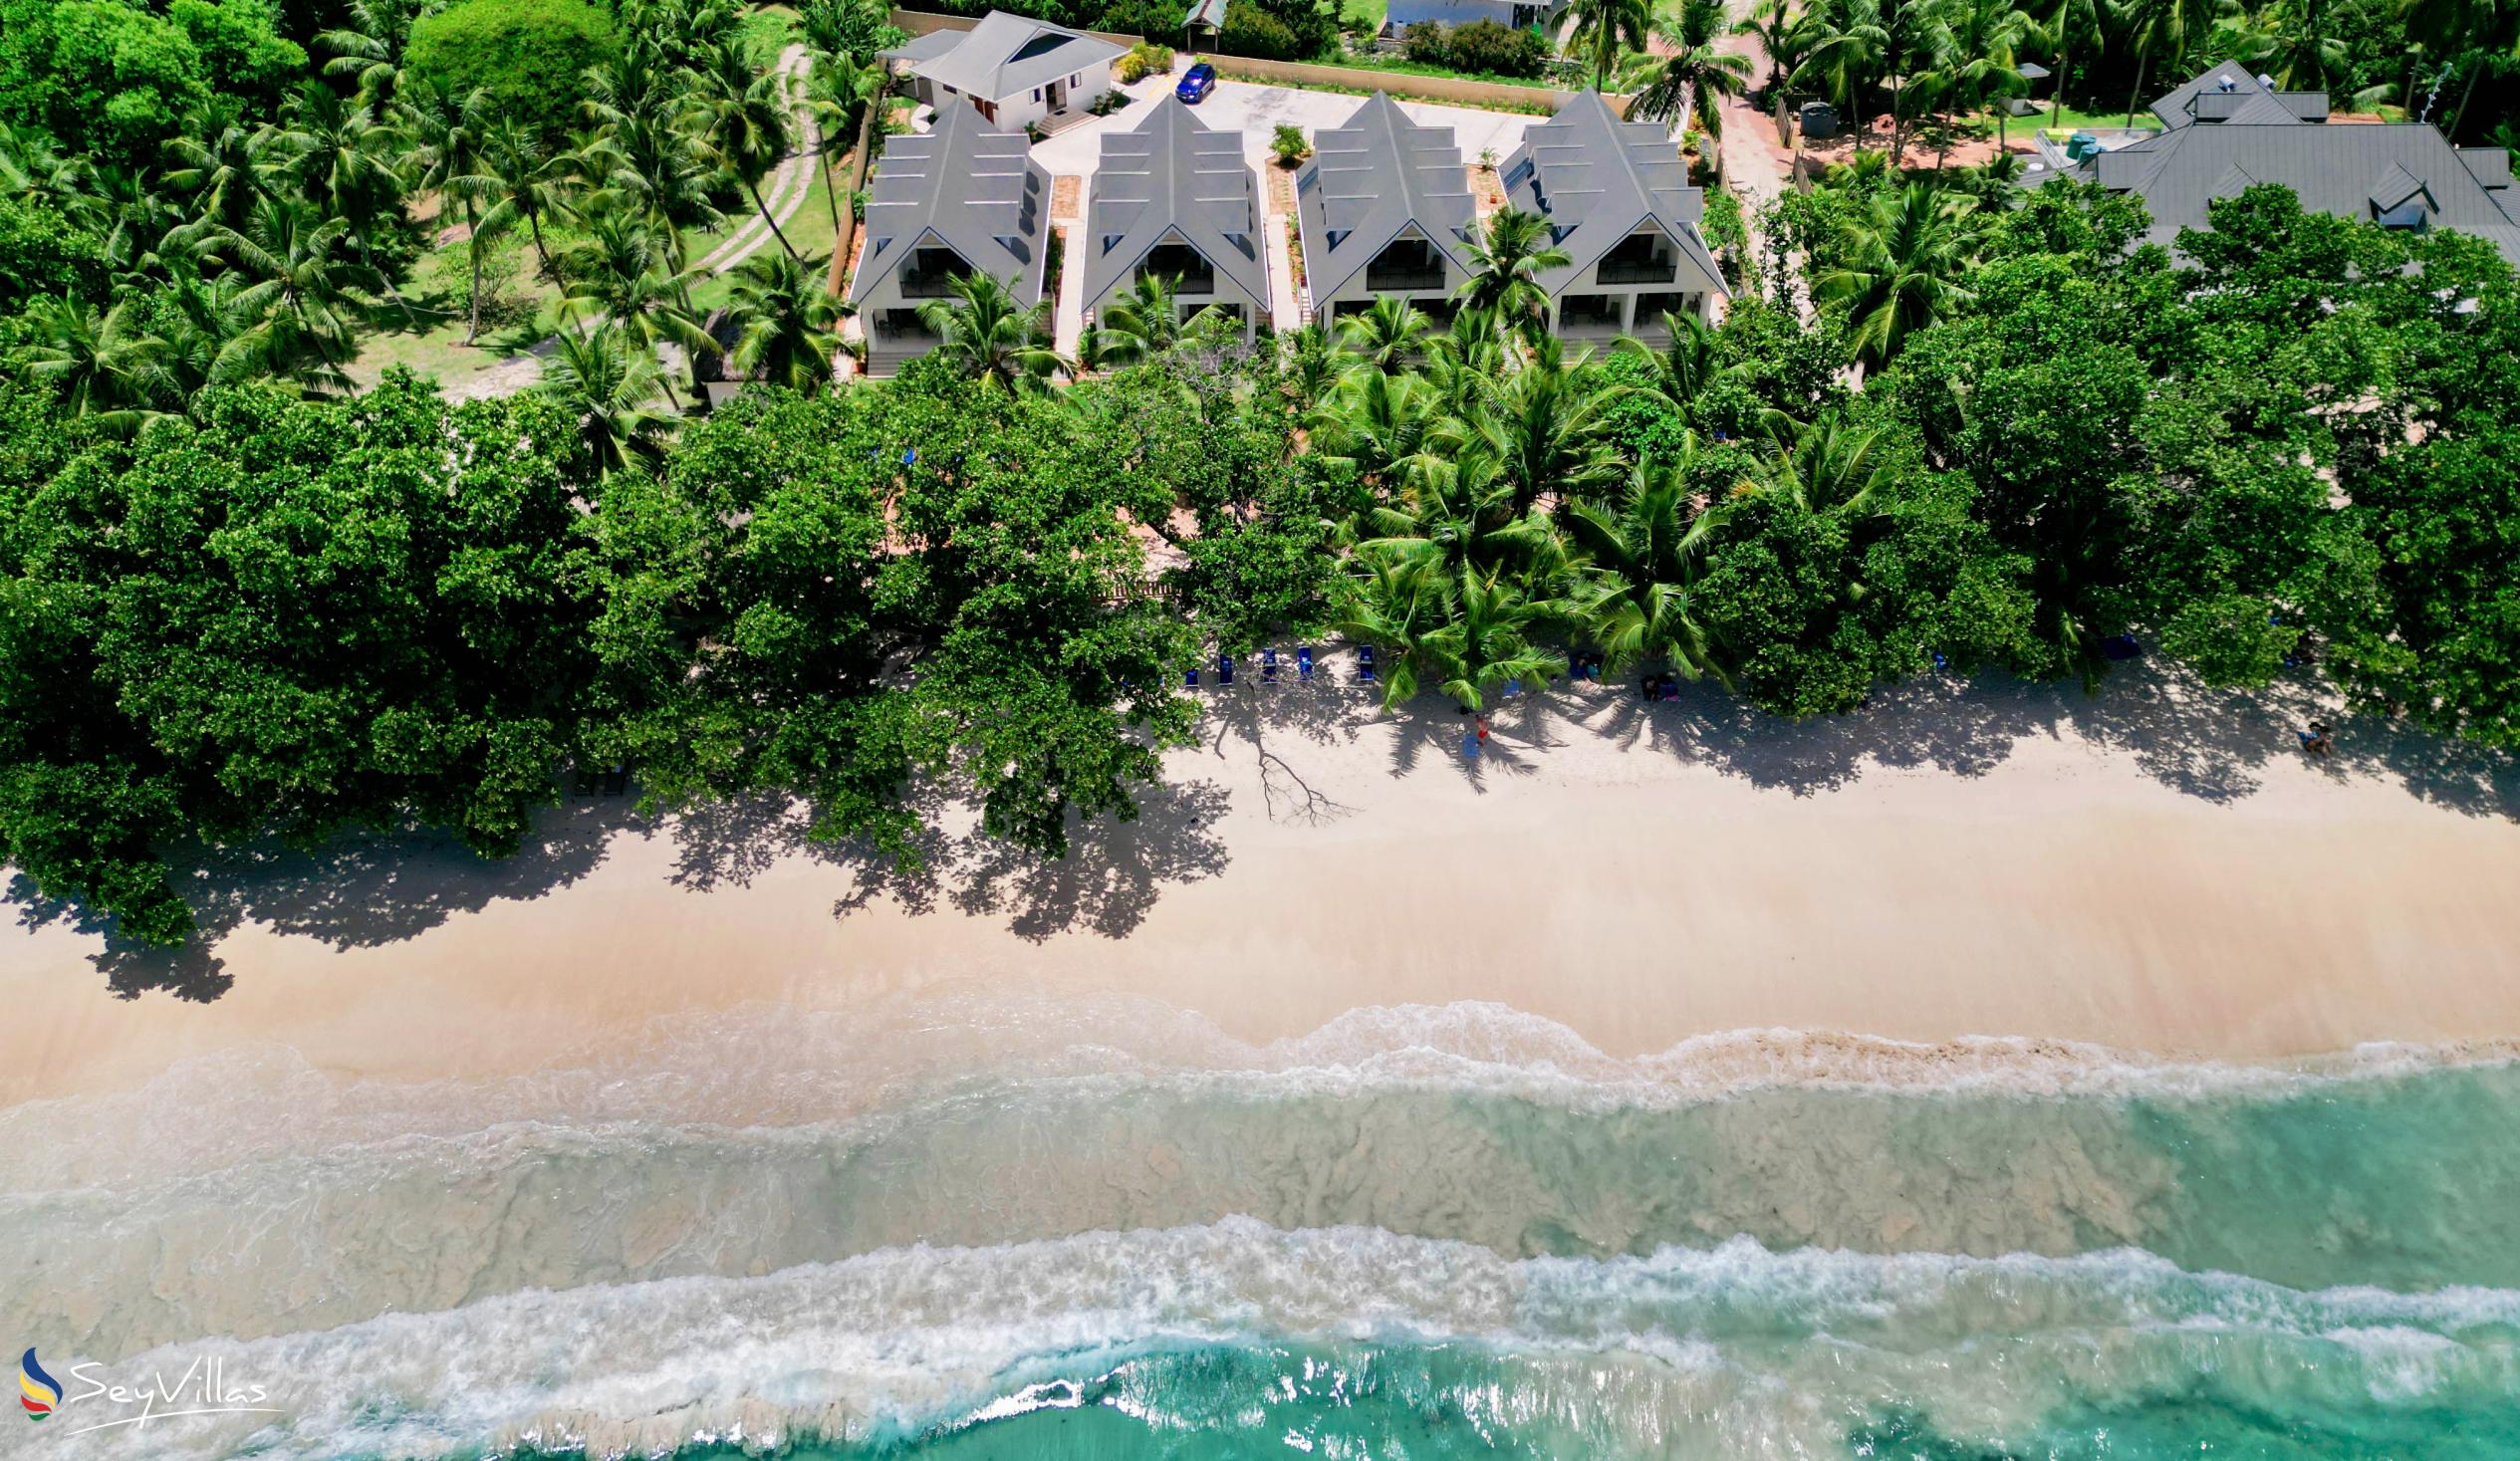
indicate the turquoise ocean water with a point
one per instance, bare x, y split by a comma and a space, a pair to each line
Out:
1014, 1233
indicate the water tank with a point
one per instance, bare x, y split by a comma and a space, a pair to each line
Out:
1817, 119
2080, 145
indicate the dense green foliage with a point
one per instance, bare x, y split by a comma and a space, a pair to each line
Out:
1480, 46
117, 77
529, 58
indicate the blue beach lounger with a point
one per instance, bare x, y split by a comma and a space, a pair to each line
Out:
1365, 665
1304, 664
1224, 669
1190, 678
1269, 665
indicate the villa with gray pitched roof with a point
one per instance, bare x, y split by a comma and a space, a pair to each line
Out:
2227, 131
964, 198
1012, 70
1384, 207
1618, 205
1177, 199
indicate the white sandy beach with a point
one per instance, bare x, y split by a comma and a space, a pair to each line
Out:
2148, 871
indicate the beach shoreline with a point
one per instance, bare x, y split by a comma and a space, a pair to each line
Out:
2151, 870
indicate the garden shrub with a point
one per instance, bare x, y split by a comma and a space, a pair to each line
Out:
530, 56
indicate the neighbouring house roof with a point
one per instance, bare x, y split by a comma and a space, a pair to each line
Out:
1004, 55
2222, 140
1205, 15
2230, 92
1400, 13
964, 185
1597, 180
1370, 178
1172, 177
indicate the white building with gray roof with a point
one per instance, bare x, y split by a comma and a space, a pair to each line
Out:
1383, 207
2228, 130
963, 198
1012, 70
1177, 199
1618, 205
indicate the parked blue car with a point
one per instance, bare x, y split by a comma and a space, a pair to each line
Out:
1198, 82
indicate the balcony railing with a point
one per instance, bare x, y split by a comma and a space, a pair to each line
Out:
1397, 280
1202, 283
927, 286
1651, 271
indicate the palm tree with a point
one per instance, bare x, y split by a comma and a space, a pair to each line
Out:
623, 270
301, 293
346, 164
1984, 35
1390, 335
1456, 513
609, 380
985, 334
1774, 21
226, 168
1695, 78
2163, 31
1828, 467
1906, 258
1605, 28
524, 180
1464, 364
839, 90
743, 125
1648, 554
1685, 362
1487, 638
1380, 423
1396, 607
1852, 49
369, 46
1545, 425
1506, 261
102, 364
787, 322
449, 134
2056, 28
1143, 322
640, 151
1310, 369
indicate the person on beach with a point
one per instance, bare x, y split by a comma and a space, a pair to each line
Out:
2316, 740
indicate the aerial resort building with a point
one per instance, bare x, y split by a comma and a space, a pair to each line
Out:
963, 198
1399, 15
1620, 208
1384, 207
1174, 199
2229, 129
1013, 71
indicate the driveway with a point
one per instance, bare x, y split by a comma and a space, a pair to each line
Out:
1255, 111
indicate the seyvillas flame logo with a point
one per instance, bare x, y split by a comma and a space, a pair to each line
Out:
38, 1392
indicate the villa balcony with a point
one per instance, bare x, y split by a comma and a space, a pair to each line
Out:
927, 286
1399, 280
1640, 270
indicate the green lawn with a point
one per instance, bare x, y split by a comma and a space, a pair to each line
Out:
2073, 118
1371, 11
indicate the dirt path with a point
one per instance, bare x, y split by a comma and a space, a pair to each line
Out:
784, 189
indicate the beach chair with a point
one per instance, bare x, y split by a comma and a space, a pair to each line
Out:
1190, 678
1303, 664
1224, 670
1365, 665
1269, 665
1513, 687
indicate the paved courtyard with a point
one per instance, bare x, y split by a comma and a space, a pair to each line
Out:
1255, 111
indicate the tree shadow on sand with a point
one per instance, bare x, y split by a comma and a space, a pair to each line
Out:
359, 891
2214, 745
367, 890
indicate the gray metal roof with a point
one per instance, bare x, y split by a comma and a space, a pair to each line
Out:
2350, 169
1004, 55
965, 185
2230, 92
1369, 180
1597, 180
1173, 175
